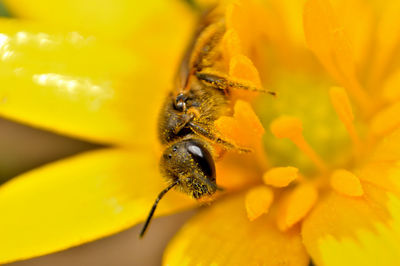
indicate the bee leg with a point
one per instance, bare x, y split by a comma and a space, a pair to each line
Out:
181, 125
198, 129
220, 155
223, 82
188, 117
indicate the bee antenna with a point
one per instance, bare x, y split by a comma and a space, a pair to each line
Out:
159, 197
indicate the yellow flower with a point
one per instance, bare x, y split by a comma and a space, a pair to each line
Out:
329, 188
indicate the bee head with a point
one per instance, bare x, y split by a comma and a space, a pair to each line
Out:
190, 163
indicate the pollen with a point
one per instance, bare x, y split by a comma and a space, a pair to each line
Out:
296, 205
292, 128
257, 202
346, 183
280, 176
342, 105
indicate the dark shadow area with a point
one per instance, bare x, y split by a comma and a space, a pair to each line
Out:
23, 148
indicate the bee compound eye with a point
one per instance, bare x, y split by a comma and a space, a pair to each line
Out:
202, 157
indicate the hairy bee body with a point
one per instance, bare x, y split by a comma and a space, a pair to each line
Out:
207, 101
186, 121
188, 156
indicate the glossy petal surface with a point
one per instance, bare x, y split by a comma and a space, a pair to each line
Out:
79, 200
79, 85
118, 19
223, 235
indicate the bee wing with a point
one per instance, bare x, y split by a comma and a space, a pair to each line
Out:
200, 47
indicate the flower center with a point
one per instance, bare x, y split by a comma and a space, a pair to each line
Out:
311, 141
310, 128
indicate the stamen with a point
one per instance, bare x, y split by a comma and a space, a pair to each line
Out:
342, 105
280, 176
346, 183
296, 205
292, 128
257, 202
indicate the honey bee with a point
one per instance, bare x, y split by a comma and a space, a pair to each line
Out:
186, 121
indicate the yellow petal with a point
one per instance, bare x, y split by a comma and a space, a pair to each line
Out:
329, 42
244, 17
359, 30
383, 175
383, 168
391, 87
79, 85
242, 68
342, 105
290, 12
363, 231
387, 42
373, 248
386, 120
223, 235
388, 150
79, 200
354, 231
231, 44
117, 19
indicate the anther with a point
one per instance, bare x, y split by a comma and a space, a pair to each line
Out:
280, 176
257, 202
291, 128
296, 205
